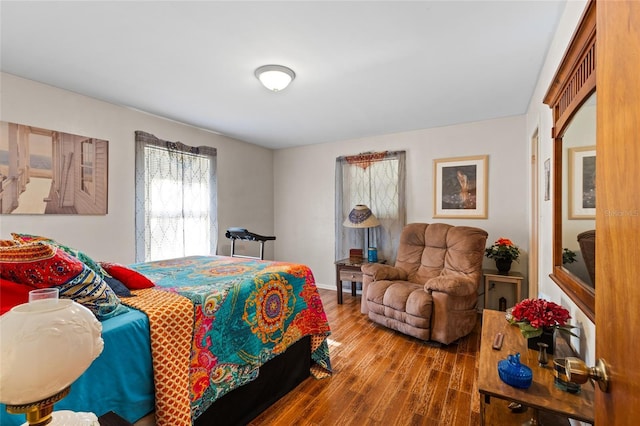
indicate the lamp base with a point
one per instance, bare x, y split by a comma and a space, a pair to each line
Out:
71, 418
40, 413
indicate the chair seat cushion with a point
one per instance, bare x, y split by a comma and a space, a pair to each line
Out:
401, 305
401, 296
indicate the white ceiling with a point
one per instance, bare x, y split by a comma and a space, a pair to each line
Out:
363, 67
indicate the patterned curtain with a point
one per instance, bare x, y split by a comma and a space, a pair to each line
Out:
376, 179
176, 199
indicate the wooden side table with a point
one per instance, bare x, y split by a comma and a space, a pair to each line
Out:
543, 395
347, 270
514, 278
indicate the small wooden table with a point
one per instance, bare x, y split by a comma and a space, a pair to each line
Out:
542, 395
346, 270
498, 277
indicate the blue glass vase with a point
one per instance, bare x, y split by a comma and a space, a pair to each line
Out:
513, 373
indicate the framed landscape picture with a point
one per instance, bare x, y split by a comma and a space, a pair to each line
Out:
46, 171
582, 183
460, 187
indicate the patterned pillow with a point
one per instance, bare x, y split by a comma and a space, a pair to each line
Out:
7, 243
38, 264
28, 238
42, 265
88, 289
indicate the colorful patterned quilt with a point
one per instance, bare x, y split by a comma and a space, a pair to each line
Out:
246, 312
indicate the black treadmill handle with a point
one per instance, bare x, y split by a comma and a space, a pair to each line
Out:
243, 234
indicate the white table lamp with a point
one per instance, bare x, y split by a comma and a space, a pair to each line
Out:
45, 345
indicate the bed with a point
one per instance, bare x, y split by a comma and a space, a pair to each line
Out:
216, 338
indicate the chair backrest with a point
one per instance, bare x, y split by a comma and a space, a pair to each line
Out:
587, 242
429, 250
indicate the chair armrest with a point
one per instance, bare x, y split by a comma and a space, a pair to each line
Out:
380, 271
452, 285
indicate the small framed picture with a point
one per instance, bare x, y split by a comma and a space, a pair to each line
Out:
460, 187
547, 173
582, 182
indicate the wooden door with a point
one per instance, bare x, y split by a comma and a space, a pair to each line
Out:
618, 209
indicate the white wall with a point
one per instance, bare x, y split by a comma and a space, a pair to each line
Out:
304, 187
539, 117
245, 171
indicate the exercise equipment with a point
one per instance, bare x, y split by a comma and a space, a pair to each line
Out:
242, 234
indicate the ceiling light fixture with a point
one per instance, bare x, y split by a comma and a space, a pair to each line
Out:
275, 77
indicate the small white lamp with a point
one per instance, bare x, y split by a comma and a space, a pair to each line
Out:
46, 345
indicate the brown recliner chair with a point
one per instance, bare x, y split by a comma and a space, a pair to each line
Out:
432, 291
587, 242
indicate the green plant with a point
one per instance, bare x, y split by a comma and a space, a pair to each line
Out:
568, 256
503, 249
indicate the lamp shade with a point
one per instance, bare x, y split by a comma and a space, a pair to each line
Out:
361, 216
46, 346
275, 77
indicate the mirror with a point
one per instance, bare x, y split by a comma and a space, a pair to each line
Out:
572, 99
578, 189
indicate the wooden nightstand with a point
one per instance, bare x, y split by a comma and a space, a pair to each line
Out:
514, 278
347, 270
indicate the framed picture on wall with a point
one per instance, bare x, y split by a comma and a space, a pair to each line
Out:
45, 171
582, 182
460, 187
547, 173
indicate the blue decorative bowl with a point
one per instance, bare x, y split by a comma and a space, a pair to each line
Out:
513, 373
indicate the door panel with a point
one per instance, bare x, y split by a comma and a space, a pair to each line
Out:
618, 209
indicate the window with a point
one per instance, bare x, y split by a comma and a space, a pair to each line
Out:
86, 166
175, 199
376, 179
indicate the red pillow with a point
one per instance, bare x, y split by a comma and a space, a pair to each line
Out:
133, 280
13, 294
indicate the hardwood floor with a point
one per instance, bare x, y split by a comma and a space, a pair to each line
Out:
383, 377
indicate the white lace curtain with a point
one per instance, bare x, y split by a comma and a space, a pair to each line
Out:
176, 199
376, 179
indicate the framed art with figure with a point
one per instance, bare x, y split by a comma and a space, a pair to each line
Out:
582, 182
460, 187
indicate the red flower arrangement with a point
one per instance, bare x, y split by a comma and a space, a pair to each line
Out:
503, 249
534, 315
